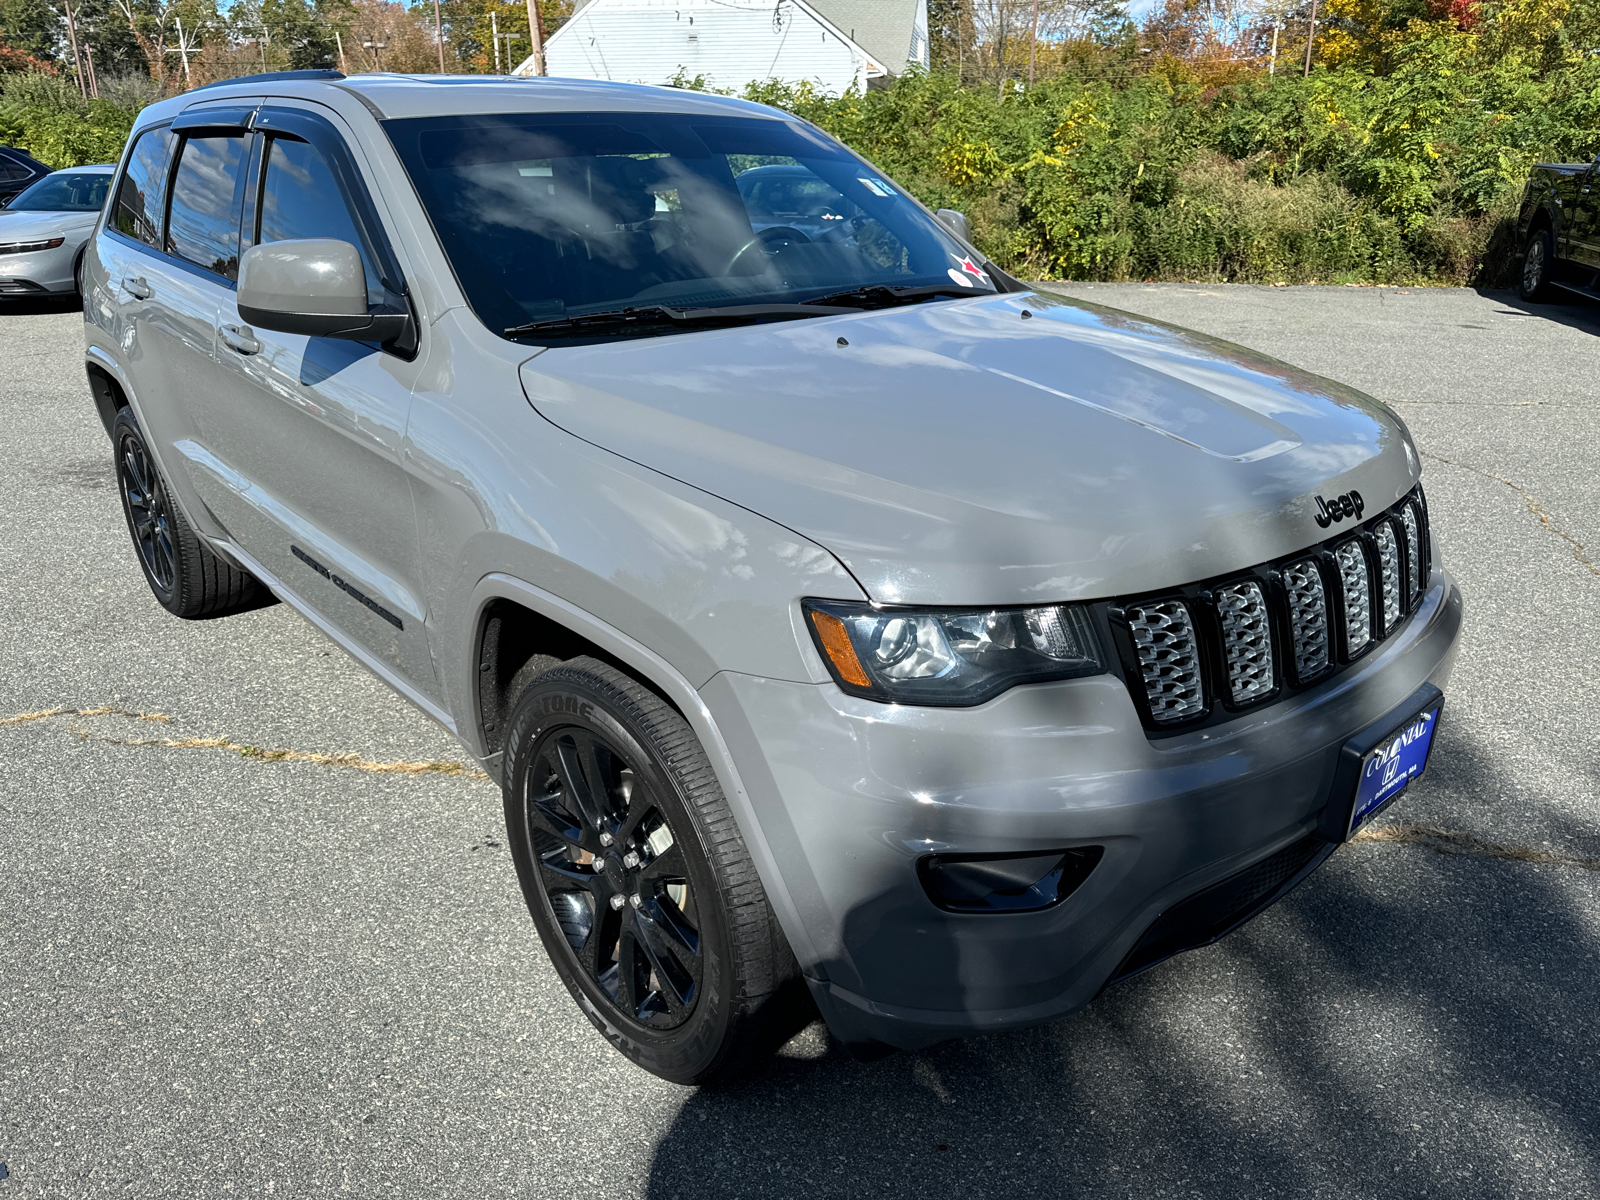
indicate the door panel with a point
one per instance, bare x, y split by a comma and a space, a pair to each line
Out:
302, 452
310, 480
1583, 220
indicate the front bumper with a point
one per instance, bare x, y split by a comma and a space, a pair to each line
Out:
39, 272
850, 794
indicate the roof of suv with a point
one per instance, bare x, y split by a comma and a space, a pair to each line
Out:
389, 96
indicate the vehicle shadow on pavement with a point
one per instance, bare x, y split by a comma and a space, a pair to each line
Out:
1566, 309
1408, 1023
33, 306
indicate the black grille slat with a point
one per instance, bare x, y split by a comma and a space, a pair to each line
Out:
1408, 522
1202, 651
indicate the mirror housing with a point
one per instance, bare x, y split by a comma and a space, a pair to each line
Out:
314, 286
955, 222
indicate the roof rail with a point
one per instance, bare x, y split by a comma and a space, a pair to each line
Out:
275, 77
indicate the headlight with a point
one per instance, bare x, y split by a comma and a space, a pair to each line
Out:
951, 657
30, 247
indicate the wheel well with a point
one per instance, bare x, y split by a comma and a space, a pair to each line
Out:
108, 397
515, 646
1541, 220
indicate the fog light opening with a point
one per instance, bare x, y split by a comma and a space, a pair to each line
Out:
1027, 881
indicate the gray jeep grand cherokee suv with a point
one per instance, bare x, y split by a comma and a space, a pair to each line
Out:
843, 618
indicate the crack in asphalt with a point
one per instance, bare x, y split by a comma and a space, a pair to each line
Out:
1431, 837
355, 762
1454, 841
1488, 404
1579, 553
105, 710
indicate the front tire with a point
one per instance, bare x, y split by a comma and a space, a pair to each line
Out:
638, 880
1538, 258
185, 576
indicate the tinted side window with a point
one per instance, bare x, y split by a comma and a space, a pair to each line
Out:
11, 172
301, 199
203, 226
137, 212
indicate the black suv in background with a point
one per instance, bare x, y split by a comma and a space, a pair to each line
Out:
18, 170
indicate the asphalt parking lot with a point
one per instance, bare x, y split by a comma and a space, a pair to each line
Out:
259, 936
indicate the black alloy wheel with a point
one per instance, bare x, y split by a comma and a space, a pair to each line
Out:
149, 514
1537, 260
186, 577
638, 880
614, 875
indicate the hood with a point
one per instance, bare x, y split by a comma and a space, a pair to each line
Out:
956, 452
23, 226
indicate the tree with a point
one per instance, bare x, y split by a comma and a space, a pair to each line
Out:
154, 25
32, 27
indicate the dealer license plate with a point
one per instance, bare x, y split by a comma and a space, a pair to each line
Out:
1393, 765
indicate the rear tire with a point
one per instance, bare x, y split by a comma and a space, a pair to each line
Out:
638, 880
186, 577
1538, 258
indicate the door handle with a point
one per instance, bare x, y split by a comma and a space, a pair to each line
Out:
137, 288
239, 337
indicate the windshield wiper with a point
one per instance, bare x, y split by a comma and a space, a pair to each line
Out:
659, 314
883, 295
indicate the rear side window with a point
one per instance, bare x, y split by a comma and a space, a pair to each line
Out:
203, 225
300, 198
137, 212
11, 172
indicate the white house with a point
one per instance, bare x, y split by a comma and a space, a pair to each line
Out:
835, 44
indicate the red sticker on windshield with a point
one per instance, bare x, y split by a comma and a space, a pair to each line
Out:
971, 268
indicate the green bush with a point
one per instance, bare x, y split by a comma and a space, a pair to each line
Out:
48, 117
1125, 168
1348, 176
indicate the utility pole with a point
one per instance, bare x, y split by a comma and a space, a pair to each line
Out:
438, 34
1272, 67
494, 39
72, 36
183, 48
1312, 39
375, 44
339, 42
88, 56
536, 32
1033, 41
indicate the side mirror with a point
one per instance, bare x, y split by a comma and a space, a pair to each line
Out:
955, 222
315, 286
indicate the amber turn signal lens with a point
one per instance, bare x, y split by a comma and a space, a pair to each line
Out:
836, 641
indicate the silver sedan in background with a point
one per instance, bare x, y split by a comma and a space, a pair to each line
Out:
43, 230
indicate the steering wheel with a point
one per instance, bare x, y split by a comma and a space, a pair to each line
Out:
772, 238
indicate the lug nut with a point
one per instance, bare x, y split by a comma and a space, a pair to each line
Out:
606, 839
630, 860
635, 900
616, 901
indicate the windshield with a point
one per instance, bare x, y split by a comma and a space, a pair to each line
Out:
554, 215
65, 191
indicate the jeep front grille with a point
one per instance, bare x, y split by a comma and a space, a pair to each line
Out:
1169, 660
1308, 618
1198, 652
1246, 641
